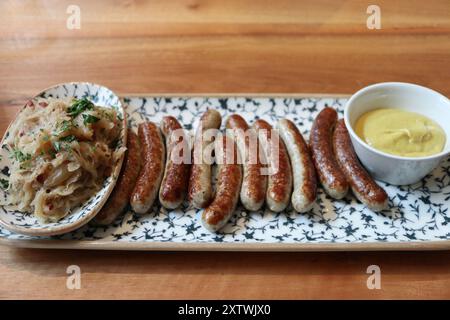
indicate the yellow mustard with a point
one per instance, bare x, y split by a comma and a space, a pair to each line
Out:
400, 132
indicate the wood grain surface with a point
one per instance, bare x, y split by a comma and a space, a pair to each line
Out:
233, 46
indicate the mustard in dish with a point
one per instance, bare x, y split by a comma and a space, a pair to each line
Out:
400, 132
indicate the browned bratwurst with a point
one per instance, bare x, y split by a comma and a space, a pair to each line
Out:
254, 183
149, 179
176, 174
279, 186
303, 171
362, 184
200, 185
229, 180
330, 174
120, 196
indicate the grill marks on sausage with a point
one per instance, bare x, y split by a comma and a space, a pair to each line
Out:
330, 175
149, 179
145, 171
229, 180
279, 186
304, 175
200, 186
362, 184
120, 196
176, 175
254, 183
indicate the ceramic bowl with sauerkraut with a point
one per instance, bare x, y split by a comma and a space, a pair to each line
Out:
60, 159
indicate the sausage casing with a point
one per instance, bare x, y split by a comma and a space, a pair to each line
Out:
149, 179
176, 174
200, 188
330, 174
279, 186
120, 196
254, 183
304, 175
363, 186
228, 185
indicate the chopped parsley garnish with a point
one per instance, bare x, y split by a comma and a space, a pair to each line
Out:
65, 125
4, 184
20, 156
68, 138
78, 106
23, 158
87, 118
63, 143
57, 145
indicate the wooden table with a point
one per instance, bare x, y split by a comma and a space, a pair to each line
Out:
233, 46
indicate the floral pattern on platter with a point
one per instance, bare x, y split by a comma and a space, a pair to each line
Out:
100, 96
416, 213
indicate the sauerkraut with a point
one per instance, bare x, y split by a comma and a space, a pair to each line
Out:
62, 151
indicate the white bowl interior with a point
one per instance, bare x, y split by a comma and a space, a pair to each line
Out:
403, 96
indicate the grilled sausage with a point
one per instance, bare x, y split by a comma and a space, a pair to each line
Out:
176, 174
120, 196
279, 185
254, 183
200, 189
330, 174
304, 175
362, 184
229, 180
149, 179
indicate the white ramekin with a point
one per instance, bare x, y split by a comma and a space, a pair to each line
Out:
393, 169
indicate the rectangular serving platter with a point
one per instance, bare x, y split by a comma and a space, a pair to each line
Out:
418, 216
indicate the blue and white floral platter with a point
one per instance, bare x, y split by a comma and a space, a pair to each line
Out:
418, 216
